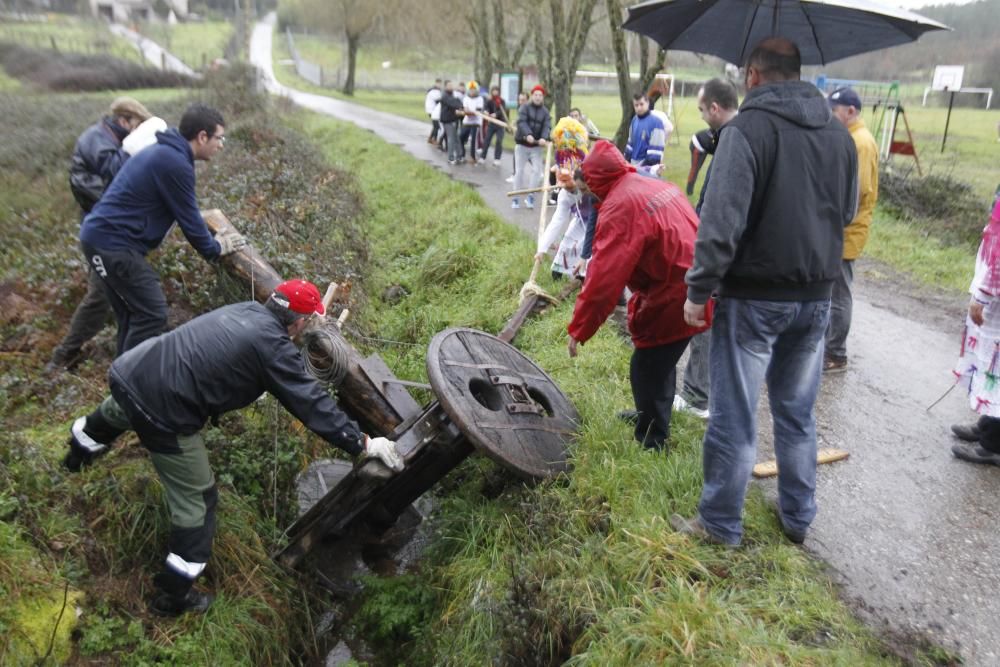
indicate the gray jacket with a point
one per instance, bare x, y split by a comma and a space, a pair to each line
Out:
224, 360
784, 185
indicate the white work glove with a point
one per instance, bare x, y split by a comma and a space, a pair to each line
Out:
230, 243
384, 450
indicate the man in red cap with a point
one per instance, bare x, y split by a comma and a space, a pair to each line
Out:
533, 127
168, 387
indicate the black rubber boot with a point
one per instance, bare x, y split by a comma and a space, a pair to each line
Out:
177, 596
194, 602
89, 437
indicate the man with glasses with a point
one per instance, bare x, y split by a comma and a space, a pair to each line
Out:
152, 190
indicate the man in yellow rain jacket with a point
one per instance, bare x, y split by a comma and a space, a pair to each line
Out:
846, 106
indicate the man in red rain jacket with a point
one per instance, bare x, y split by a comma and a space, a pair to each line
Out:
644, 240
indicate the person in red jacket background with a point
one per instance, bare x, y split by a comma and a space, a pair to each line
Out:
644, 240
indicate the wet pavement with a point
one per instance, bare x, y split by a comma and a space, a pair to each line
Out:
908, 531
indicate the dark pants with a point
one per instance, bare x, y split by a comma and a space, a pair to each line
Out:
181, 463
435, 130
696, 377
470, 133
451, 138
841, 308
134, 292
989, 433
494, 131
653, 374
88, 320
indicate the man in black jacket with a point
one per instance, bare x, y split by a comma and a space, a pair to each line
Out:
451, 111
533, 126
167, 387
784, 185
97, 157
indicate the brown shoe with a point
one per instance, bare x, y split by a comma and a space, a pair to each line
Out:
832, 366
696, 528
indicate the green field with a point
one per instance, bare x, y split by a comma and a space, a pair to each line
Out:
196, 44
69, 34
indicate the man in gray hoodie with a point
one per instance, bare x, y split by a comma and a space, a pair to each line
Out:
784, 186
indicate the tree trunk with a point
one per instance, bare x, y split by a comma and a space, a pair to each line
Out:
621, 67
353, 41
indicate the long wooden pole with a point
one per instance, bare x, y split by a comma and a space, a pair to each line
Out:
541, 213
495, 121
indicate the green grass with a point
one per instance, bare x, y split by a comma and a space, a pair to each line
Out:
71, 35
583, 568
920, 256
196, 44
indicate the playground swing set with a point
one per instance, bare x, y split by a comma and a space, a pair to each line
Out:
886, 108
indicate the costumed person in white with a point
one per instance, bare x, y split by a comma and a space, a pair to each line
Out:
978, 368
569, 139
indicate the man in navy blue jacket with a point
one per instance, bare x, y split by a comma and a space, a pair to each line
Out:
152, 190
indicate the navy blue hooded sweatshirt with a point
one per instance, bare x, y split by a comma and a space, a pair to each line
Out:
153, 189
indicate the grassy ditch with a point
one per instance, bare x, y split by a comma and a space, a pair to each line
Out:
583, 569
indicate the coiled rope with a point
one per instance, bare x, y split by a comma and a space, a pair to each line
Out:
325, 352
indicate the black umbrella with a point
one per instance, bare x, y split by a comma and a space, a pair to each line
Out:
824, 30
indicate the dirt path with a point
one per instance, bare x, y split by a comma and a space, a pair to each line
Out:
908, 531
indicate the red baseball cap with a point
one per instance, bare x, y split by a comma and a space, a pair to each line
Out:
302, 296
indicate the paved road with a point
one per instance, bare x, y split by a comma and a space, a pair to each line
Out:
909, 532
153, 52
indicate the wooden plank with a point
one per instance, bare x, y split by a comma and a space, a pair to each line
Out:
397, 396
827, 455
431, 446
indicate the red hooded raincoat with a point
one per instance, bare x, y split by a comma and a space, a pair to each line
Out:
644, 239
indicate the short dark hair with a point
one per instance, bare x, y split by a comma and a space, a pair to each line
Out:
639, 96
777, 59
285, 315
720, 92
200, 117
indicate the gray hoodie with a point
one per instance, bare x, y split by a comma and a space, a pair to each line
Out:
784, 186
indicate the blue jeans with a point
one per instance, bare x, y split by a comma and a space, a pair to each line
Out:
752, 341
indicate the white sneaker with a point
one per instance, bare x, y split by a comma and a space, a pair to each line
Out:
509, 179
515, 203
683, 406
496, 163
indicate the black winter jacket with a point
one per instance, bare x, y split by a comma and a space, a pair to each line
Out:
449, 105
97, 157
784, 185
224, 360
532, 120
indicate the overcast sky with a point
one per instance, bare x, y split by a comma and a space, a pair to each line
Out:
916, 4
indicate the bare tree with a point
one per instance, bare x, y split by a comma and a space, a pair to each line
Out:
647, 70
559, 51
354, 18
492, 50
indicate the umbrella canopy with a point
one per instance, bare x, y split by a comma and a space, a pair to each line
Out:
824, 30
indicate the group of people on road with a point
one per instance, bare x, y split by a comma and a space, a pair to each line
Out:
134, 178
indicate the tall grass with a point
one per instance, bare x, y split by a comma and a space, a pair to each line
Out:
583, 568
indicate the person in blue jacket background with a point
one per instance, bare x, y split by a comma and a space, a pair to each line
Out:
150, 192
646, 135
